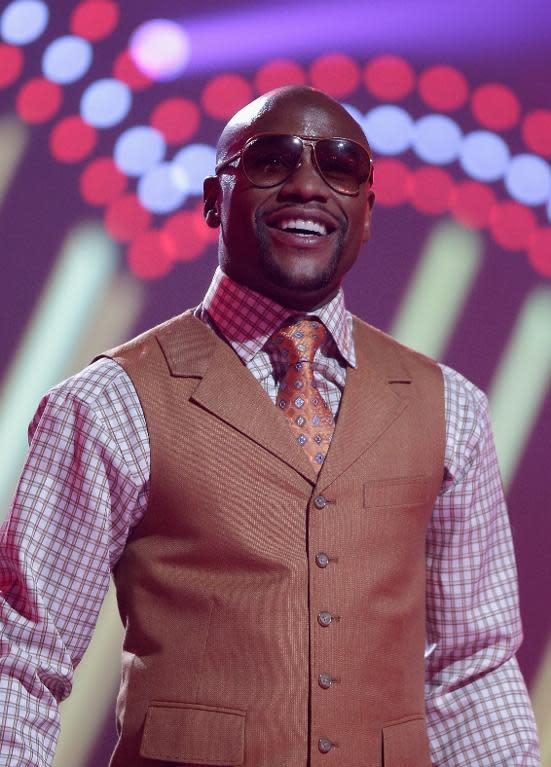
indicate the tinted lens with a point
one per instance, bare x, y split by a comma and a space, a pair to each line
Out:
269, 160
344, 164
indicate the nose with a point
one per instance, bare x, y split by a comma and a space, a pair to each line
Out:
305, 182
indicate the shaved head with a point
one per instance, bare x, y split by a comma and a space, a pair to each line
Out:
257, 117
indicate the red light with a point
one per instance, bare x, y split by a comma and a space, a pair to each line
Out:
127, 72
225, 94
391, 182
102, 182
471, 203
539, 252
94, 19
277, 73
495, 106
11, 64
185, 238
71, 139
126, 217
177, 119
38, 100
148, 257
536, 132
389, 78
336, 74
512, 225
429, 190
443, 88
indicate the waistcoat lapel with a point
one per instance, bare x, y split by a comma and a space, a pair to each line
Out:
369, 403
228, 390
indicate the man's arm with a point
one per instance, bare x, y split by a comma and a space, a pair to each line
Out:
478, 710
83, 486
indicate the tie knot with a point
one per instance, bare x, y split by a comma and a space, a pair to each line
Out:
301, 339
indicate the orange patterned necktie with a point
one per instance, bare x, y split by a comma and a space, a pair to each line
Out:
307, 412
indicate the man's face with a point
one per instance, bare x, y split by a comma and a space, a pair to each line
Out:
263, 243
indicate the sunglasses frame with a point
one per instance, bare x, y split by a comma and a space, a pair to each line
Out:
305, 141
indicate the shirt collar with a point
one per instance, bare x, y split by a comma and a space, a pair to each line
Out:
247, 319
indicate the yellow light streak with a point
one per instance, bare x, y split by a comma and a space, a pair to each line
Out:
438, 290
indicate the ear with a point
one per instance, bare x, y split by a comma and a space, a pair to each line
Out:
211, 200
368, 212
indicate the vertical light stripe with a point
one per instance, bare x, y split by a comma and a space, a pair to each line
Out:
83, 270
541, 699
438, 290
521, 381
115, 318
93, 694
14, 137
96, 678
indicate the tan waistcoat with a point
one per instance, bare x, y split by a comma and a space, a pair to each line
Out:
275, 618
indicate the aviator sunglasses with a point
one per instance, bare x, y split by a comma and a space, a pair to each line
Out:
270, 159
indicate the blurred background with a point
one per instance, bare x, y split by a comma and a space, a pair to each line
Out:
109, 116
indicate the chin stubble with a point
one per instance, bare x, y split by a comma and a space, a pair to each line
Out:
273, 271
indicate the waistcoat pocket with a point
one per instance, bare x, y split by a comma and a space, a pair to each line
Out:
405, 743
190, 732
397, 491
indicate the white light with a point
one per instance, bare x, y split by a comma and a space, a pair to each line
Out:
528, 179
160, 48
67, 59
161, 189
138, 149
105, 103
437, 139
484, 156
389, 129
24, 21
354, 113
198, 161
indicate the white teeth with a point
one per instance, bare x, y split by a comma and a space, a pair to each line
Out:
306, 226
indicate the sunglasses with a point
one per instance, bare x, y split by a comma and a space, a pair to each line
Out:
270, 159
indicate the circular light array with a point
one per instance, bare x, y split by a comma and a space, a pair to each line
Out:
67, 59
105, 103
161, 49
23, 21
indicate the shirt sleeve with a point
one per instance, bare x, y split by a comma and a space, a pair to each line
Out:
83, 487
478, 710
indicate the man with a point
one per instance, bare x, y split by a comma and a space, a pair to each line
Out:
274, 484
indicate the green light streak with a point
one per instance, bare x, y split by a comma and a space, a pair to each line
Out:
85, 267
14, 137
438, 290
521, 381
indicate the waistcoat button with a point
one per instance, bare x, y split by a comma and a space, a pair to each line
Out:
325, 745
322, 560
325, 680
320, 502
324, 618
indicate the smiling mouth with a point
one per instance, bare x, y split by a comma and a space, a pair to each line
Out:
301, 227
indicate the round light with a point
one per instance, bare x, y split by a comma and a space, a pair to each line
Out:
139, 149
160, 48
484, 156
389, 129
105, 103
354, 113
67, 59
528, 179
161, 189
437, 139
198, 162
24, 21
